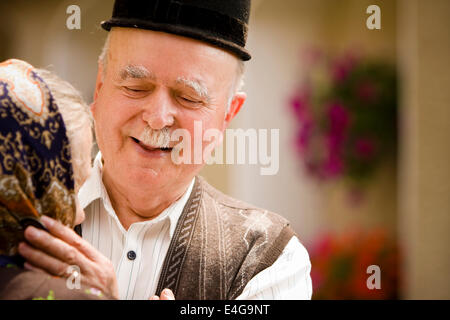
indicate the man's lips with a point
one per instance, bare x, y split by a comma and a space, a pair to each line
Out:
150, 148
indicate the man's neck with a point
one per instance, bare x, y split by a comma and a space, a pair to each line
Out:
133, 206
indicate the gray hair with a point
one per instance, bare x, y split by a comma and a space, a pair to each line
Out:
77, 119
237, 86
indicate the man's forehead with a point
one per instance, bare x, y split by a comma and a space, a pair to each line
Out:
122, 38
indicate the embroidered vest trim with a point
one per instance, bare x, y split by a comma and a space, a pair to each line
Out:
176, 254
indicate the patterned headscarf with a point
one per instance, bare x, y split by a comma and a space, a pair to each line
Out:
36, 175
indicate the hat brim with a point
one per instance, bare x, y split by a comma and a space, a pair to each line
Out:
180, 30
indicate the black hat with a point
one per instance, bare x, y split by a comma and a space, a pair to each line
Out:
222, 23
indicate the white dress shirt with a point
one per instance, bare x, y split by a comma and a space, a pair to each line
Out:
146, 243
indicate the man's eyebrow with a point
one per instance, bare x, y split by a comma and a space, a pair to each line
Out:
196, 85
135, 72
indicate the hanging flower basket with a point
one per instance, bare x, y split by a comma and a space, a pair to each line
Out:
345, 109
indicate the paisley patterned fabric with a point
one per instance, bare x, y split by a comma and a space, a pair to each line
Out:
36, 174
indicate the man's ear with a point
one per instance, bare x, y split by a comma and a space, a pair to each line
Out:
98, 85
236, 104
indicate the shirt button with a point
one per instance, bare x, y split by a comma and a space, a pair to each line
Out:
131, 255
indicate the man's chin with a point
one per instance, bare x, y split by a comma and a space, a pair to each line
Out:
144, 174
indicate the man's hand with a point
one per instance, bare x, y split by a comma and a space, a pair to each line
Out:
55, 251
166, 294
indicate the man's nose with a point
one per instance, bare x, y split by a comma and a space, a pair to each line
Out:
159, 111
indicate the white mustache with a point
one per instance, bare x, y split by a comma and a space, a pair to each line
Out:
156, 138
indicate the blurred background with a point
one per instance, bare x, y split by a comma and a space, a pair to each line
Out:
364, 120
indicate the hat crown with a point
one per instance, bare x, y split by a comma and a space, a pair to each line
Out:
222, 23
239, 9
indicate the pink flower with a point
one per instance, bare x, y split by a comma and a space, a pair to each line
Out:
300, 105
304, 135
339, 118
339, 121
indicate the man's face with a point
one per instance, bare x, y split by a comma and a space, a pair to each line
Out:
155, 80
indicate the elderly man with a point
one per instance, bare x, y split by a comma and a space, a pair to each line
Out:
168, 65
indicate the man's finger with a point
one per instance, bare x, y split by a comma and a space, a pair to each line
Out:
167, 294
70, 237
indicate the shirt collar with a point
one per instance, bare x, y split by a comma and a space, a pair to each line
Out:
94, 189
